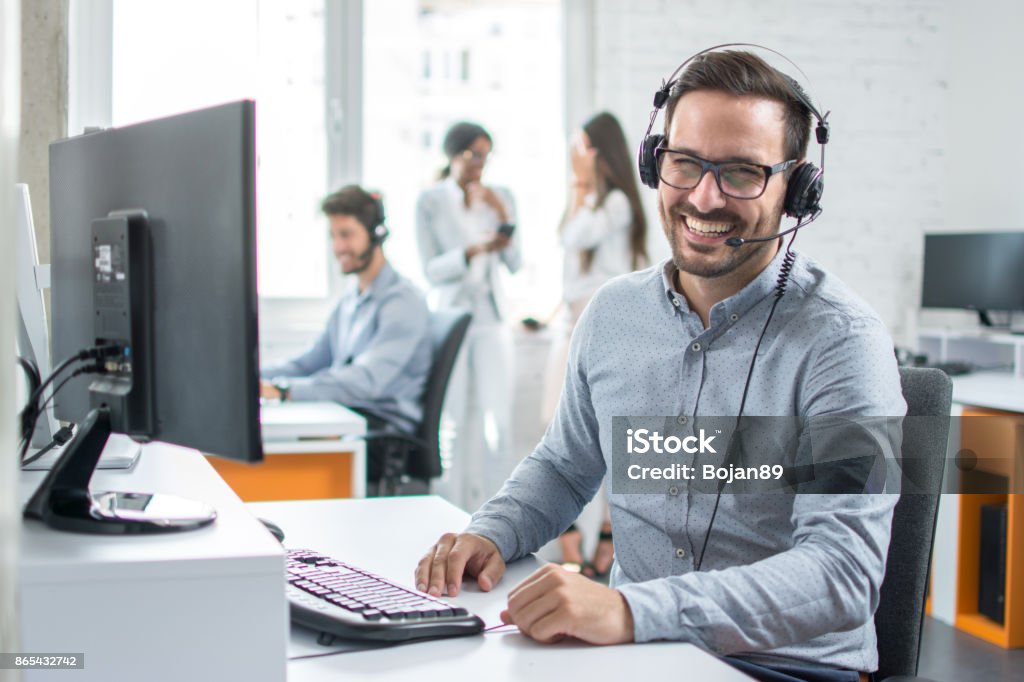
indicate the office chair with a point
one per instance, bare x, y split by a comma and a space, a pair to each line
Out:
409, 458
899, 619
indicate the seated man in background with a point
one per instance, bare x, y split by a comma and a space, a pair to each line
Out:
374, 354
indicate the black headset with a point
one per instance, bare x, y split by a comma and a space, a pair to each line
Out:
378, 230
803, 194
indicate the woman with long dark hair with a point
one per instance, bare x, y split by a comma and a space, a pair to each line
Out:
466, 235
604, 234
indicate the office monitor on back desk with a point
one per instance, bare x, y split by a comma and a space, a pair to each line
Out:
154, 268
981, 271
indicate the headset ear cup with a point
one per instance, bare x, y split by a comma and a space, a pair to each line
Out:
647, 163
379, 234
803, 195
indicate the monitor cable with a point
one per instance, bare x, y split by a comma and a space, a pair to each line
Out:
32, 411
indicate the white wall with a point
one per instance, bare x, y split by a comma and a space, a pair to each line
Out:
922, 93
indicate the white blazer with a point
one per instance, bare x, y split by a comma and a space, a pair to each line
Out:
442, 243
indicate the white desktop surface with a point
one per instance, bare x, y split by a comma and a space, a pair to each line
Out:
388, 536
301, 419
995, 390
157, 607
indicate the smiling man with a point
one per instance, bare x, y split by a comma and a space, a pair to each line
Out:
786, 585
374, 354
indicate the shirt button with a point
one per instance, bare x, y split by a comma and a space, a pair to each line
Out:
673, 491
681, 419
680, 552
734, 317
695, 347
675, 302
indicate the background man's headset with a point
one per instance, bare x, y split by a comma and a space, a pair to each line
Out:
802, 201
379, 230
803, 194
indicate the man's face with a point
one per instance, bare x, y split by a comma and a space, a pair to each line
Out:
350, 242
719, 127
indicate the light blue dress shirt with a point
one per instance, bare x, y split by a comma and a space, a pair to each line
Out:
783, 576
373, 355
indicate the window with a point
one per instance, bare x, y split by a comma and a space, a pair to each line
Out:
500, 65
170, 58
357, 91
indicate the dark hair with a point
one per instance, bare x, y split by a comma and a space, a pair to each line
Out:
458, 139
352, 200
742, 73
614, 165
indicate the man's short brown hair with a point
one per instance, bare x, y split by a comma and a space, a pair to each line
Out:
354, 201
742, 74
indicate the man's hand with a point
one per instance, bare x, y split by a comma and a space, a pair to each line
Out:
553, 604
455, 555
268, 391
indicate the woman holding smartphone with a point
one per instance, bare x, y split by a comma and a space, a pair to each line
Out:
466, 235
604, 234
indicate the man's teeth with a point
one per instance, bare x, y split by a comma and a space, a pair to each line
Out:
701, 227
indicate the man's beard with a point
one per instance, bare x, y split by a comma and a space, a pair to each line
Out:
731, 258
363, 261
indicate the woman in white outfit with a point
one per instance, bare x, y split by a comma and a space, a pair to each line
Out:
604, 235
466, 236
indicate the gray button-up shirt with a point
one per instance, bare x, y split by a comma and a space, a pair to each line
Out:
790, 576
374, 353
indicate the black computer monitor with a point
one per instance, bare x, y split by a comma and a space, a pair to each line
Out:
154, 259
982, 271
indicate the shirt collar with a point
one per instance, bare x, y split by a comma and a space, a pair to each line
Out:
382, 282
736, 305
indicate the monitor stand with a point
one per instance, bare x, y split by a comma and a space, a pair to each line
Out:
64, 500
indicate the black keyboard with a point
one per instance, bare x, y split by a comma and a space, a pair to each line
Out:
339, 599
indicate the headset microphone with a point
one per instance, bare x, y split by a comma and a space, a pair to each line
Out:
740, 241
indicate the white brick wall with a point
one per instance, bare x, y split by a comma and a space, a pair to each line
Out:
881, 67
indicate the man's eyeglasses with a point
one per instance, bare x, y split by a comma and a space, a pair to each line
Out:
736, 180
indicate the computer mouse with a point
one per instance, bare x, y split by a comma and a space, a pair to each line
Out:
532, 323
274, 529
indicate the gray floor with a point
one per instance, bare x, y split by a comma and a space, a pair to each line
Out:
948, 655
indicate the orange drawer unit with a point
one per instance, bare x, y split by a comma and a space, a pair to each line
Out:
312, 450
997, 438
293, 476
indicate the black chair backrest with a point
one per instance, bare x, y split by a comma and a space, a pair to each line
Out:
447, 331
900, 615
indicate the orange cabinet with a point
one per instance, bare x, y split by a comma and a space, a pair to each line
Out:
998, 442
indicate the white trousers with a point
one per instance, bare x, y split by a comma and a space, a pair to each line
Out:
477, 422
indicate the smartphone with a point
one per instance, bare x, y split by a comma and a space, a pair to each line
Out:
507, 229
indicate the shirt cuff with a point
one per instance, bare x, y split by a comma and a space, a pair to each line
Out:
499, 531
304, 389
657, 614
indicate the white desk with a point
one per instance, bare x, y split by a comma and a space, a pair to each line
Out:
388, 536
207, 604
